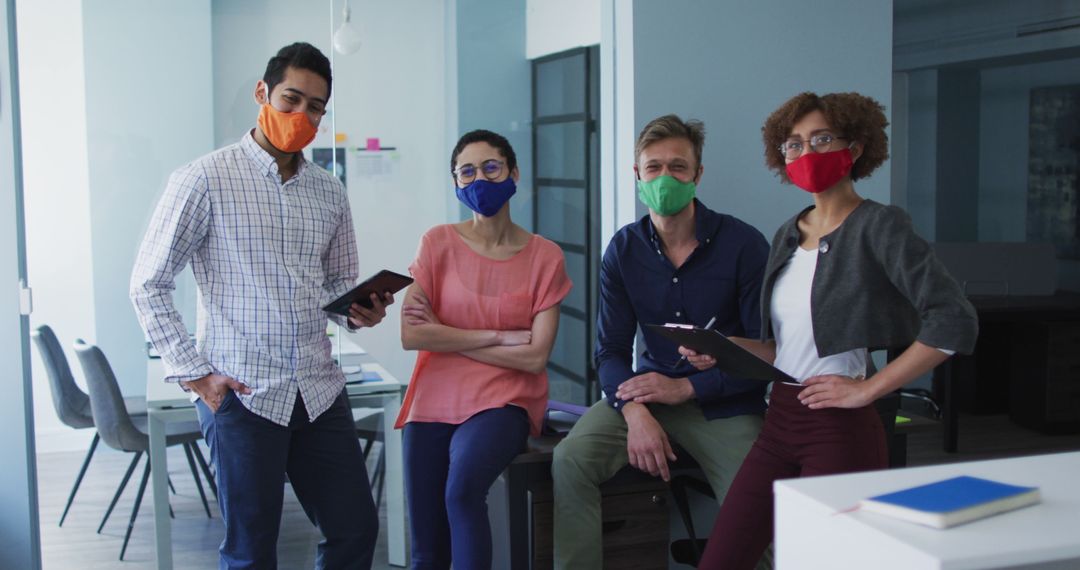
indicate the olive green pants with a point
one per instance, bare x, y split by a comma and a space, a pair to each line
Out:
596, 449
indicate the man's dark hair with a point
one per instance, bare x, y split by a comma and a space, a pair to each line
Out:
494, 139
300, 55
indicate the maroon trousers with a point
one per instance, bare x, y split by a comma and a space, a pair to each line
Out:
794, 442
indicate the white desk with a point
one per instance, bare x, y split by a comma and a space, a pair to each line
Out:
168, 403
810, 535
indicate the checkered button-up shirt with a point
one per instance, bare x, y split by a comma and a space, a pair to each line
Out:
266, 256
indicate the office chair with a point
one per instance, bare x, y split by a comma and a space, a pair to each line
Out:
117, 430
925, 399
72, 405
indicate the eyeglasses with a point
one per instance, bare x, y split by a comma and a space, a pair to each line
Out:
793, 148
466, 173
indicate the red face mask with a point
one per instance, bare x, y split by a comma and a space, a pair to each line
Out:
288, 132
818, 171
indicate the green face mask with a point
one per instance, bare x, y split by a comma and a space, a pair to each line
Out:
665, 195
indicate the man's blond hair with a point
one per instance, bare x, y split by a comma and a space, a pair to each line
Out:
671, 126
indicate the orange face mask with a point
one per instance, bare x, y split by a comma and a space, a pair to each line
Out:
288, 132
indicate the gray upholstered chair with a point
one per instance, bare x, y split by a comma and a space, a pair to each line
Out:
72, 405
117, 430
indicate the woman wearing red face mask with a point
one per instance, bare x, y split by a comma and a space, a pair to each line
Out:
845, 276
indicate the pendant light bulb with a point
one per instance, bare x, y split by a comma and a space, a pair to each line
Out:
346, 38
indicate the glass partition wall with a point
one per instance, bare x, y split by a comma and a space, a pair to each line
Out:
116, 98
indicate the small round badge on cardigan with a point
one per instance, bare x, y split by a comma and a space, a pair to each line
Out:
823, 247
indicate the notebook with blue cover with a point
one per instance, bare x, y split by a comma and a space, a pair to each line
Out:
952, 501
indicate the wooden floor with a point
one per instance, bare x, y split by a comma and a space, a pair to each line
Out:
196, 538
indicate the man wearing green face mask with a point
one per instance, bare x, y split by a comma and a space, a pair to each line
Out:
665, 194
681, 263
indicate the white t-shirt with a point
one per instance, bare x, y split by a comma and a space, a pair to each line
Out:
793, 328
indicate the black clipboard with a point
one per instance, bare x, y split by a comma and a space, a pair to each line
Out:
730, 357
382, 282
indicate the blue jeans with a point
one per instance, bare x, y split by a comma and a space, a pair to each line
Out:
448, 471
325, 467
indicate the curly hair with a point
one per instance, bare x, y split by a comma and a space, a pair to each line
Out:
854, 116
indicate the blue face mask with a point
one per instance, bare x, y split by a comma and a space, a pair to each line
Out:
486, 197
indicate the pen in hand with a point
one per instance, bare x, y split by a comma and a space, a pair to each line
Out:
708, 326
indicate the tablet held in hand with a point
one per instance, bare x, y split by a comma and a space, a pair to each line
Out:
383, 282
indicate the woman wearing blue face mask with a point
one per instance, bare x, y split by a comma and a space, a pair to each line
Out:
845, 276
483, 312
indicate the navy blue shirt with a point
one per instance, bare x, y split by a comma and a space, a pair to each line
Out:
639, 285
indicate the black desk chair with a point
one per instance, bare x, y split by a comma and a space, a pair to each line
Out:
72, 405
117, 428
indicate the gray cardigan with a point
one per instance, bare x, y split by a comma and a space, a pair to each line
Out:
877, 285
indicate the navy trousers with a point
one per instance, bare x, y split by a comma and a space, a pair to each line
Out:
448, 472
325, 466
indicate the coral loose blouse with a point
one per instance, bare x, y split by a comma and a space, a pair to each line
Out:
470, 291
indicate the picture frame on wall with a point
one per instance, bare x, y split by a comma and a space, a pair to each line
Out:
1053, 197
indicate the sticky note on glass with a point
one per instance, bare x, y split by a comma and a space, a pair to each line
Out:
372, 143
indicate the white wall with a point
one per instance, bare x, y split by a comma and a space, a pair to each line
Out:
396, 90
559, 25
246, 34
730, 65
393, 88
148, 111
489, 51
617, 124
116, 101
56, 185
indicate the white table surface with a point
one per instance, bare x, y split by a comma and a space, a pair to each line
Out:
811, 534
168, 403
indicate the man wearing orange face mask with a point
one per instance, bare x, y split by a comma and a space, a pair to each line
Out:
269, 237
